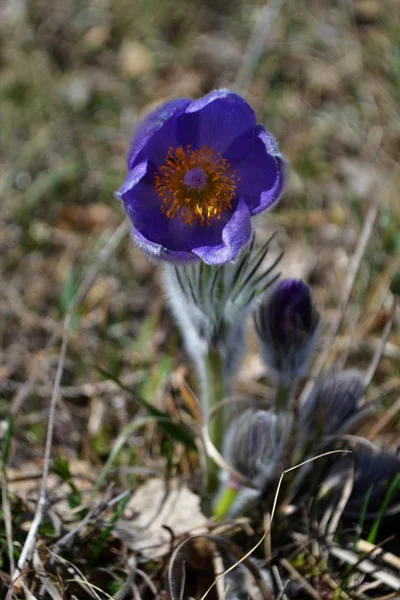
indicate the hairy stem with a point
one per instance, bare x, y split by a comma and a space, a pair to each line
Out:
225, 502
215, 391
283, 397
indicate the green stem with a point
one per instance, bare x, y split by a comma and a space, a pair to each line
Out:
216, 390
225, 502
283, 396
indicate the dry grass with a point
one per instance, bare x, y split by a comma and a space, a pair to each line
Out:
75, 80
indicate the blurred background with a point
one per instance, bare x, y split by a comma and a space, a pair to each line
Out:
76, 78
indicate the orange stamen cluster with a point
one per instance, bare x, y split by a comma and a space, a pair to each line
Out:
197, 203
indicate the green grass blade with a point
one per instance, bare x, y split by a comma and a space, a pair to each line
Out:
119, 444
362, 515
6, 443
394, 487
176, 431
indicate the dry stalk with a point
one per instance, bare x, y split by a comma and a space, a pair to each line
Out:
278, 579
366, 566
29, 544
372, 549
257, 41
103, 256
296, 575
82, 291
7, 518
345, 297
381, 348
274, 505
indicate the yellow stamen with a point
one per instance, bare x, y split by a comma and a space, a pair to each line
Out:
199, 202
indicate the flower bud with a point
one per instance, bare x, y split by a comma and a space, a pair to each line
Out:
210, 304
251, 441
287, 325
374, 473
332, 405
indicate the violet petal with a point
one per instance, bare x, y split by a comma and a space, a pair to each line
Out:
155, 121
235, 236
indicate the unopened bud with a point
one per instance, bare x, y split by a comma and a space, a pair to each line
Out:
287, 325
374, 473
251, 441
332, 404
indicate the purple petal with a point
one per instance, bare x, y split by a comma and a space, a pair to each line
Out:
235, 236
270, 198
218, 119
200, 103
133, 178
138, 185
261, 174
158, 251
142, 205
153, 122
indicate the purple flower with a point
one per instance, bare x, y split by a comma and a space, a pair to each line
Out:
198, 171
287, 325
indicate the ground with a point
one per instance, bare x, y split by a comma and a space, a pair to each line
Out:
76, 79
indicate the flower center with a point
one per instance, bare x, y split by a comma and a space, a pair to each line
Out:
195, 185
195, 179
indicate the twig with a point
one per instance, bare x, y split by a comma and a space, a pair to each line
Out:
91, 514
385, 419
274, 505
26, 388
28, 595
349, 284
80, 294
345, 298
7, 520
218, 567
230, 547
380, 349
256, 43
387, 557
89, 588
126, 588
46, 583
109, 247
366, 566
337, 512
296, 575
267, 543
31, 537
149, 582
278, 579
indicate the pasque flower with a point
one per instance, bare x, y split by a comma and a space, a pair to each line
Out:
334, 405
374, 472
251, 441
287, 325
198, 171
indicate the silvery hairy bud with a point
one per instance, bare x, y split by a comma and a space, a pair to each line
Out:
333, 404
287, 324
251, 441
374, 473
210, 303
